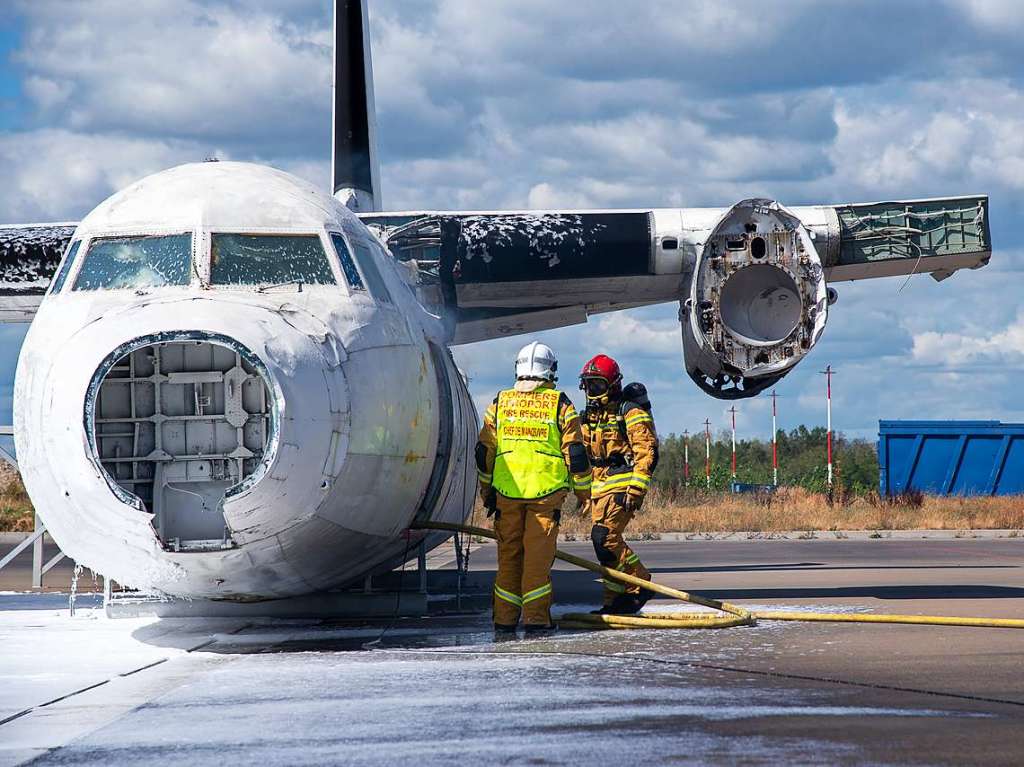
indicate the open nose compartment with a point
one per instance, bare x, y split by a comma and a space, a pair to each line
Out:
179, 424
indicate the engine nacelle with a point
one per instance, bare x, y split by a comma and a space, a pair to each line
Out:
758, 301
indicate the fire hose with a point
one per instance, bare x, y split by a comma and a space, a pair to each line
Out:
729, 614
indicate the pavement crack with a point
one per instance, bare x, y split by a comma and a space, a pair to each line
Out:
131, 672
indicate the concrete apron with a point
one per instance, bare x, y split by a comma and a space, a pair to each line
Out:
387, 598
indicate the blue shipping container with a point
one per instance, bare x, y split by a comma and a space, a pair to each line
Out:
951, 457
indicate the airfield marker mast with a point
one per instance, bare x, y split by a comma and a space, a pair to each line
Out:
775, 442
828, 373
733, 411
686, 457
707, 451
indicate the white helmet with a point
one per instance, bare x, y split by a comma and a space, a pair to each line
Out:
536, 360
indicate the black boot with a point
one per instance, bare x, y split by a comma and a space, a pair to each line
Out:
504, 633
624, 604
536, 630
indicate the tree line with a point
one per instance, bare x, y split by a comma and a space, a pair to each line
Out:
802, 461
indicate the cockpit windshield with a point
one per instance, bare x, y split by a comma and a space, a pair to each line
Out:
261, 259
65, 268
124, 263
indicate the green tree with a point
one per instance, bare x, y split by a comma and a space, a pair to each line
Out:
802, 461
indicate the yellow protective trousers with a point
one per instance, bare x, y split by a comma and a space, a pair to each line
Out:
610, 515
527, 537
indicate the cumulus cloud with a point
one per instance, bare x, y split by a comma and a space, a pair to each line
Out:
637, 335
935, 140
57, 174
532, 104
211, 71
1005, 346
1003, 16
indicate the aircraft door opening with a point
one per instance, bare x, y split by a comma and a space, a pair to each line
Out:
177, 425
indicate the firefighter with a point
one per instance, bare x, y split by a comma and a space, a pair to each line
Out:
623, 448
529, 456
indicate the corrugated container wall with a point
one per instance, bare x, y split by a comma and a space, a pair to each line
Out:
951, 457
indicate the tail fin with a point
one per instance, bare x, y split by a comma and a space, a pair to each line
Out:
355, 175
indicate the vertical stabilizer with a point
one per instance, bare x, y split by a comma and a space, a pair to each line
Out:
354, 170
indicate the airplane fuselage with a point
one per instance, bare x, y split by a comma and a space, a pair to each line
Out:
225, 433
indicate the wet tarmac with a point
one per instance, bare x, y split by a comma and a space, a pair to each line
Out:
439, 690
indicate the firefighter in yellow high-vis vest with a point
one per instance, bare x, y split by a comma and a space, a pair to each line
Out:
529, 456
622, 445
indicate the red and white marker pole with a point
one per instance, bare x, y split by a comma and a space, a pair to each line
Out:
828, 373
775, 442
686, 457
707, 451
733, 411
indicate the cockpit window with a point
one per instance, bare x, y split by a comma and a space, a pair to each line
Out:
348, 266
122, 263
260, 259
65, 268
366, 262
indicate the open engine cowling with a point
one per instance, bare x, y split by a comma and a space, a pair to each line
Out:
758, 301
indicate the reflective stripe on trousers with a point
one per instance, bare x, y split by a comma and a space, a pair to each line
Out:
527, 536
610, 511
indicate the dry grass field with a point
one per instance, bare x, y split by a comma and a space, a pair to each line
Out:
15, 507
791, 509
795, 509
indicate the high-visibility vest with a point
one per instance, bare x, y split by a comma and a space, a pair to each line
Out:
528, 461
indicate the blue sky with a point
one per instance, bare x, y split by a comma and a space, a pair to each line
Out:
10, 80
531, 104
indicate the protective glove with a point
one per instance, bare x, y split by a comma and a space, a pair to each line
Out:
582, 499
634, 500
490, 501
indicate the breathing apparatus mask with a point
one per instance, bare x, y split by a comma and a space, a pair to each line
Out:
598, 390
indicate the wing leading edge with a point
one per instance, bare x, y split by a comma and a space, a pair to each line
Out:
502, 274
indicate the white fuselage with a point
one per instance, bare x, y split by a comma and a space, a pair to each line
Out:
342, 408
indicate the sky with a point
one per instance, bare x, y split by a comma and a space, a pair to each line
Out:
609, 103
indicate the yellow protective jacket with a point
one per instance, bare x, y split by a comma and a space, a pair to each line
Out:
623, 447
578, 473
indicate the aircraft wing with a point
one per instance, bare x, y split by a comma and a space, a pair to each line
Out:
752, 280
508, 273
29, 255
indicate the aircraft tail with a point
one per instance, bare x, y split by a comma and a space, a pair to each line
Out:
355, 174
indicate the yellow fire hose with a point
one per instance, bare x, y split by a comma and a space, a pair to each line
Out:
734, 614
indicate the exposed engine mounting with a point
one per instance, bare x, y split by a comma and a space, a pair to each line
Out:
758, 301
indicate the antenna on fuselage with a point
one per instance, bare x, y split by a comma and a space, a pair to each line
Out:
355, 174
